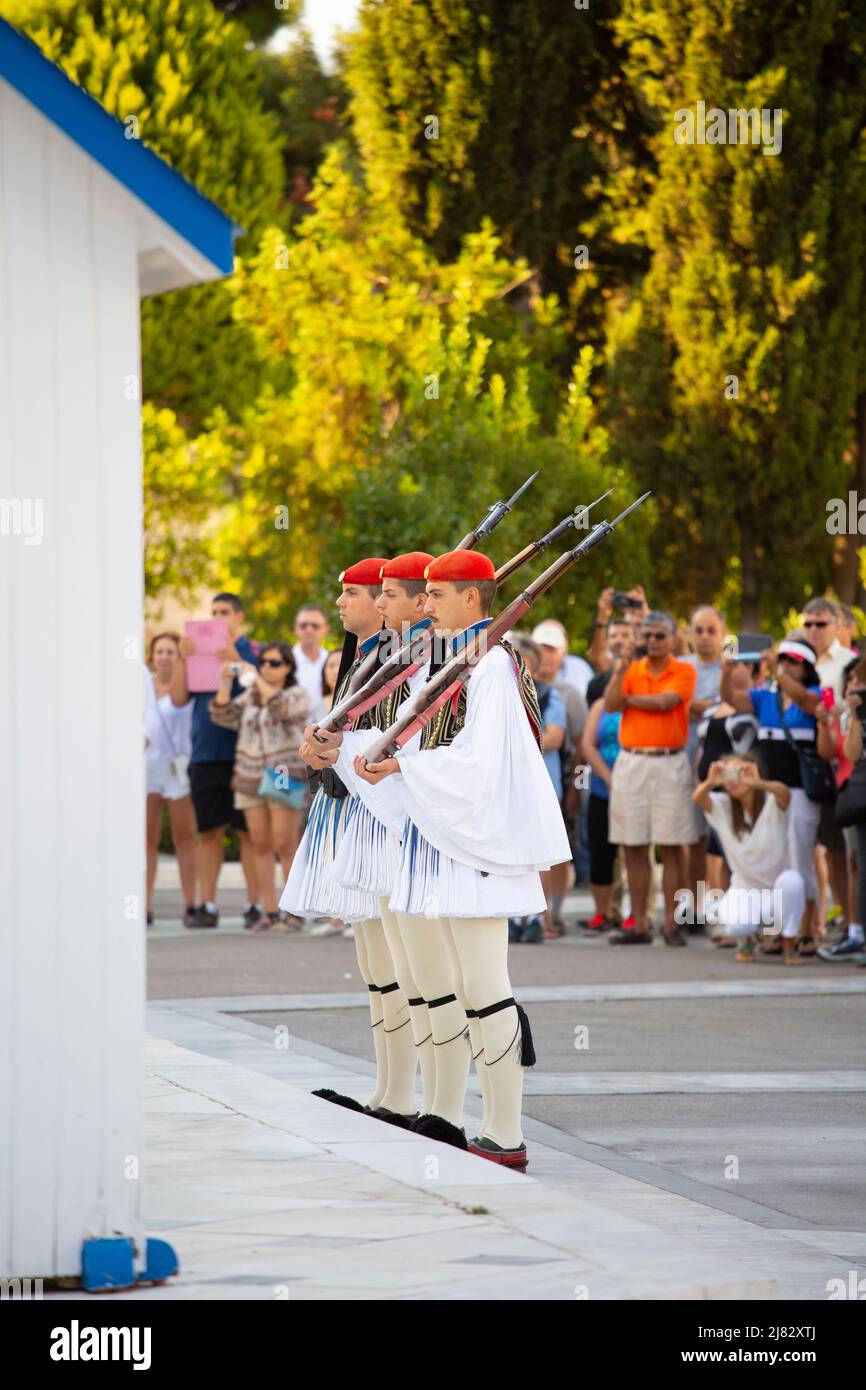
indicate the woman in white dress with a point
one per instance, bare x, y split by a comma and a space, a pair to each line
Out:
167, 746
750, 816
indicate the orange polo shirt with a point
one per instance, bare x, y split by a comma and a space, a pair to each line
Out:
643, 728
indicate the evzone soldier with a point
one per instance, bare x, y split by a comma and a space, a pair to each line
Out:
478, 819
373, 590
312, 886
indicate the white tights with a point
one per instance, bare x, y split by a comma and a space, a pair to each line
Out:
468, 957
390, 1017
419, 1014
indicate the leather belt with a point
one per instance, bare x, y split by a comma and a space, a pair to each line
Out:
656, 752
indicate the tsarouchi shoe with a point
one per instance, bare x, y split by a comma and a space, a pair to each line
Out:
434, 1127
509, 1158
346, 1101
392, 1117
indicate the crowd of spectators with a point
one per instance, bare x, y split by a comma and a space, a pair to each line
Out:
706, 782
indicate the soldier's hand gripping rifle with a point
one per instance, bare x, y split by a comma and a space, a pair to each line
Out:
371, 663
406, 661
421, 707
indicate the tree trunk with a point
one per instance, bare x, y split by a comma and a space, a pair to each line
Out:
846, 555
750, 619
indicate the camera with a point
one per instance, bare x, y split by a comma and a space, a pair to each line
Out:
623, 600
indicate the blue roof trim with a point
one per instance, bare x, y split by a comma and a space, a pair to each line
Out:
80, 116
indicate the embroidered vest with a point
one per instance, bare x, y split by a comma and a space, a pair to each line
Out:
449, 720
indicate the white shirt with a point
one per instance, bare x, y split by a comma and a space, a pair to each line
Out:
831, 665
575, 671
309, 672
167, 726
759, 857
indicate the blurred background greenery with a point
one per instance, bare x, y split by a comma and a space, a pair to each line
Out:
472, 248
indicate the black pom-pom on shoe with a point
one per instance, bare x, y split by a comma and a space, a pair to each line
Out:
346, 1101
393, 1117
434, 1127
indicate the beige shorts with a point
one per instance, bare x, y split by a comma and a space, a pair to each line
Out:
243, 801
651, 801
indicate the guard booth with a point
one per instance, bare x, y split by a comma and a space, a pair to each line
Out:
90, 221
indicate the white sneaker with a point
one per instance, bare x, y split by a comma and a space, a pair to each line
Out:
325, 929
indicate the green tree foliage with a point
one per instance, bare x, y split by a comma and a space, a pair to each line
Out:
466, 109
261, 18
310, 106
757, 273
187, 83
182, 493
420, 396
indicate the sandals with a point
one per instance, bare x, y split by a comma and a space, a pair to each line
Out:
771, 946
807, 946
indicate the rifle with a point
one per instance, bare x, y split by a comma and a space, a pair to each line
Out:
493, 517
408, 659
371, 663
421, 707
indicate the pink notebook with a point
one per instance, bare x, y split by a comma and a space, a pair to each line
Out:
204, 666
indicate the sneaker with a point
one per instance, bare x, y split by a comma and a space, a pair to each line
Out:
515, 931
328, 929
189, 916
843, 950
252, 917
533, 932
599, 923
202, 918
630, 936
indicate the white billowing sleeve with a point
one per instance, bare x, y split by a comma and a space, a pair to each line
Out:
386, 800
487, 800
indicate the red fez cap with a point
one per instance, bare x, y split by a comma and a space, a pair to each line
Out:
461, 564
409, 566
364, 572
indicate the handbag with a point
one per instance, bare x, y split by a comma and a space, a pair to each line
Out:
816, 774
851, 801
276, 785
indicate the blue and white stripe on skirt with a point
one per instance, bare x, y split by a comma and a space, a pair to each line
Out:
312, 888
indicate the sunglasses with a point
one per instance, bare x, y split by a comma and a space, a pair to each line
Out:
817, 622
269, 661
316, 626
656, 636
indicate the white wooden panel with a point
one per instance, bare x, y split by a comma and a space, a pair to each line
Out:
31, 730
121, 623
8, 906
72, 827
82, 716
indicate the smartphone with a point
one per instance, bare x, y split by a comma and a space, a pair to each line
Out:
750, 646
